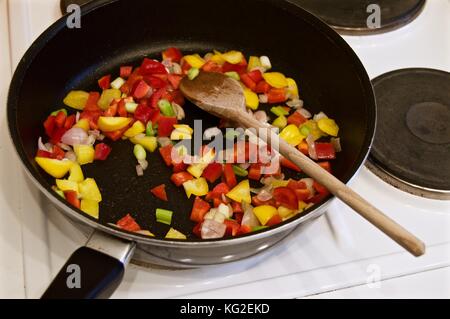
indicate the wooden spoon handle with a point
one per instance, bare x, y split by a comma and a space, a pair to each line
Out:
388, 226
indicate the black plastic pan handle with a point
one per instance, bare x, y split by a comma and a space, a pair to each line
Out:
92, 271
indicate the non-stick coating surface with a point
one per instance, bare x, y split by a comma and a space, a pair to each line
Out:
329, 75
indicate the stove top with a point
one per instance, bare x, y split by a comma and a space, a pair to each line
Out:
335, 251
352, 16
412, 141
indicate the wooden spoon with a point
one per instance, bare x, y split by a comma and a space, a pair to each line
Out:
223, 96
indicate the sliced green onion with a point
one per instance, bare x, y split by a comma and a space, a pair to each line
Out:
166, 108
117, 83
58, 191
233, 75
131, 107
304, 130
139, 152
256, 228
150, 130
239, 171
193, 73
164, 216
279, 110
54, 113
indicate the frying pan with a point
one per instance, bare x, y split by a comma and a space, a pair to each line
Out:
118, 32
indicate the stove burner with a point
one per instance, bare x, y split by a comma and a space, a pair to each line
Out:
350, 16
65, 3
411, 149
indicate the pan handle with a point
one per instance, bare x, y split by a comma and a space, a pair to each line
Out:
92, 271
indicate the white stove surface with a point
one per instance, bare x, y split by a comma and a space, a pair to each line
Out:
337, 251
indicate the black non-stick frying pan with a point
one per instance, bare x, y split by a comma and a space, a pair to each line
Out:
113, 33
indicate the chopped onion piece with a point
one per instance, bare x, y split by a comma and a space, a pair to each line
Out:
295, 103
179, 111
164, 141
309, 182
263, 98
65, 147
244, 165
70, 155
311, 147
41, 145
336, 141
139, 170
176, 68
305, 113
211, 132
74, 136
320, 116
49, 146
77, 117
249, 217
265, 194
265, 62
143, 163
90, 140
211, 229
261, 116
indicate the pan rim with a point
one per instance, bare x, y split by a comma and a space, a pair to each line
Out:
314, 22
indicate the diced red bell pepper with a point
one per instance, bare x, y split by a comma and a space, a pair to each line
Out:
49, 125
302, 194
229, 175
41, 153
320, 188
104, 82
155, 82
57, 134
116, 135
160, 192
293, 184
211, 66
256, 76
217, 191
166, 154
128, 223
58, 153
70, 121
72, 198
172, 54
257, 202
296, 118
179, 178
218, 201
239, 68
285, 196
101, 152
125, 71
325, 151
254, 173
303, 147
143, 113
174, 80
289, 164
150, 66
165, 125
275, 220
111, 111
185, 67
262, 87
232, 227
140, 89
60, 119
121, 110
197, 230
316, 199
248, 81
276, 95
199, 210
244, 229
91, 103
134, 77
177, 97
179, 167
212, 172
237, 207
326, 166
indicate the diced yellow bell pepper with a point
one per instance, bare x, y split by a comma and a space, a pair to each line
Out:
107, 97
280, 122
264, 213
146, 233
111, 124
54, 167
136, 129
217, 58
76, 174
89, 190
184, 128
90, 207
233, 57
253, 62
195, 61
291, 134
284, 212
196, 170
312, 128
150, 143
83, 124
85, 153
251, 99
328, 126
174, 234
76, 99
177, 135
197, 187
302, 205
241, 192
275, 79
66, 185
292, 87
279, 183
